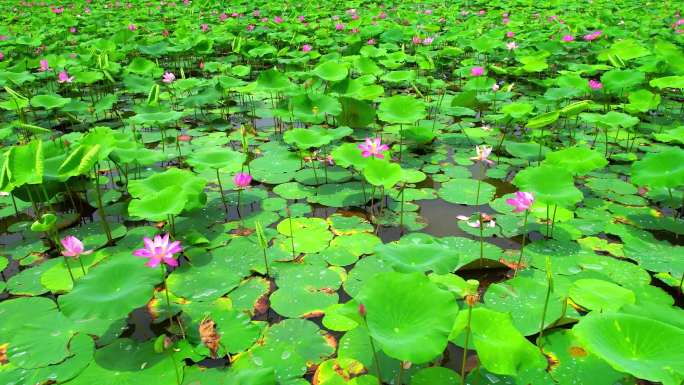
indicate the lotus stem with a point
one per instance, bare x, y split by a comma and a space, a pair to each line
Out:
100, 206
401, 211
223, 198
289, 216
401, 373
672, 204
465, 344
481, 222
238, 206
71, 274
375, 355
522, 245
82, 267
549, 280
14, 203
553, 219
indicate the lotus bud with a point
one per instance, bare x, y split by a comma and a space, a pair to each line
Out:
362, 310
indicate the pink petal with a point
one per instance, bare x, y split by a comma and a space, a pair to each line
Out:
462, 217
171, 261
153, 262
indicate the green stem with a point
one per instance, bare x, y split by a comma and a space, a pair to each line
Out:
465, 344
100, 207
400, 374
223, 198
71, 274
522, 245
82, 267
546, 300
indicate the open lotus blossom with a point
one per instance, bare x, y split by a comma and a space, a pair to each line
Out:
250, 27
277, 19
510, 34
370, 41
57, 10
495, 87
223, 16
416, 40
373, 147
132, 27
511, 45
73, 247
339, 26
306, 48
592, 36
63, 77
301, 18
568, 38
256, 13
476, 71
242, 180
2, 56
73, 30
428, 40
168, 77
522, 201
505, 20
483, 153
159, 250
204, 27
595, 84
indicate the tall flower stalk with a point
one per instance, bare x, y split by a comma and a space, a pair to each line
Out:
521, 202
471, 299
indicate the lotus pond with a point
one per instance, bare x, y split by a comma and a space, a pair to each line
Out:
341, 192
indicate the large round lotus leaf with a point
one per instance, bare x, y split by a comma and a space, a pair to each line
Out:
620, 80
408, 316
635, 344
349, 154
37, 333
272, 81
311, 235
549, 184
357, 244
111, 290
526, 150
523, 298
436, 375
382, 173
191, 185
49, 101
577, 160
295, 302
154, 118
671, 135
306, 138
355, 113
287, 347
313, 108
125, 362
331, 71
575, 364
293, 190
208, 278
158, 206
81, 349
661, 169
275, 167
420, 256
500, 347
27, 282
337, 371
323, 173
401, 109
348, 225
224, 159
596, 294
342, 194
140, 65
464, 191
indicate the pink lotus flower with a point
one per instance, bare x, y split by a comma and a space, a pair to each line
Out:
132, 27
592, 36
511, 45
428, 40
57, 10
382, 15
44, 65
495, 87
510, 34
306, 48
354, 30
568, 38
2, 56
679, 22
522, 201
165, 33
339, 26
159, 250
256, 13
242, 180
168, 77
505, 20
476, 71
301, 18
483, 153
86, 10
595, 84
373, 147
204, 27
482, 12
73, 247
370, 41
417, 40
63, 77
73, 30
250, 27
277, 19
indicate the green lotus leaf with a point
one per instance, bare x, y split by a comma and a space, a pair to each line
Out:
523, 298
305, 138
543, 120
577, 160
355, 113
668, 82
464, 191
217, 158
549, 184
382, 173
342, 194
638, 345
662, 169
111, 290
24, 164
621, 80
529, 151
311, 235
408, 316
401, 109
313, 108
596, 294
500, 347
49, 101
671, 135
190, 185
436, 375
160, 205
419, 255
331, 71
